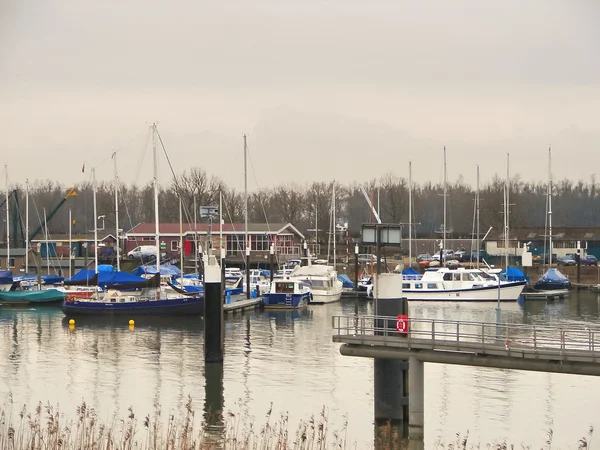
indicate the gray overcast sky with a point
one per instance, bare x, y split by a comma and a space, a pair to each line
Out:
324, 89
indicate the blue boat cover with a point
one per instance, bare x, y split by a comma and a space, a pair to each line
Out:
167, 269
104, 278
410, 271
514, 274
52, 279
554, 275
346, 282
6, 277
105, 268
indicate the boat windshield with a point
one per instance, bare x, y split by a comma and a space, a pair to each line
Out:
481, 275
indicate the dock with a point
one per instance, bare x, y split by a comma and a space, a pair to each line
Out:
591, 287
546, 295
241, 305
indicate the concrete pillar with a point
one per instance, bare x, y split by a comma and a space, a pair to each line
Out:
213, 312
416, 405
391, 376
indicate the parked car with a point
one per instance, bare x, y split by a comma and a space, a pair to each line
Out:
143, 251
589, 260
461, 256
566, 261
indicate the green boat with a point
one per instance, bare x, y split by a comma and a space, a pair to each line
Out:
31, 297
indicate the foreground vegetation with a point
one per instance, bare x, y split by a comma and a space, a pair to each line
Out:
47, 428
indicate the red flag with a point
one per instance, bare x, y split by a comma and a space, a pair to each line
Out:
83, 168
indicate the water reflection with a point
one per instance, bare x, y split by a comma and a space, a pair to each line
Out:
284, 356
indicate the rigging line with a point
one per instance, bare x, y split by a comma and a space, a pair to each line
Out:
178, 189
237, 237
127, 213
262, 205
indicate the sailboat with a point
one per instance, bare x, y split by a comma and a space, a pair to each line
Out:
145, 297
552, 279
323, 280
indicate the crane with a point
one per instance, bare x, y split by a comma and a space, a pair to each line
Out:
72, 193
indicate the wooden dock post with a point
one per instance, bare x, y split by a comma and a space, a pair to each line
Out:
214, 401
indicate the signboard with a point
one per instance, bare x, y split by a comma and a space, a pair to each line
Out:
389, 234
209, 211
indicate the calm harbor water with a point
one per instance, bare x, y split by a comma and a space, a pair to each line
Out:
287, 358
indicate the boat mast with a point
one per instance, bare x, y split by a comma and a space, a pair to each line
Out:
334, 229
507, 213
27, 226
156, 216
477, 216
46, 239
118, 253
196, 269
550, 205
70, 244
95, 221
7, 221
221, 228
410, 213
181, 238
246, 218
445, 196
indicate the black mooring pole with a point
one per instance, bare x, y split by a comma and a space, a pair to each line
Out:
213, 313
356, 267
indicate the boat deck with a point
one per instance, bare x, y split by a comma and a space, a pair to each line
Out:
241, 305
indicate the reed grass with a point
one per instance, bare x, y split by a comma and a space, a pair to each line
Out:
47, 428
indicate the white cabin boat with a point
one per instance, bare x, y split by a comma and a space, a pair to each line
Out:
460, 285
323, 281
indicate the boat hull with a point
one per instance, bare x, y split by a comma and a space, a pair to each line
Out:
170, 307
551, 285
509, 292
323, 297
32, 297
286, 301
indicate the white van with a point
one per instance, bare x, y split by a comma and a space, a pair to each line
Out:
143, 251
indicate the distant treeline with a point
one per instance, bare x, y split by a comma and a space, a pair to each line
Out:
574, 204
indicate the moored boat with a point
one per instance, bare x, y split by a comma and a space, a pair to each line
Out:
323, 282
552, 280
27, 297
287, 294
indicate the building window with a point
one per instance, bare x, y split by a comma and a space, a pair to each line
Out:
174, 246
260, 243
148, 238
11, 262
131, 238
564, 244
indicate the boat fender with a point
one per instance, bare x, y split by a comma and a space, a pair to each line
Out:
310, 297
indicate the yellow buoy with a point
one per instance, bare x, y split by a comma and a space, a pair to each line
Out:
72, 322
131, 323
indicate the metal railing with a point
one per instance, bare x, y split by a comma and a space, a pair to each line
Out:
540, 341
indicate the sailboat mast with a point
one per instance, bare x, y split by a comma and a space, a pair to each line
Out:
247, 246
70, 244
410, 212
477, 217
507, 210
156, 216
27, 227
118, 246
181, 238
95, 221
46, 239
196, 268
550, 205
221, 249
445, 197
334, 229
7, 221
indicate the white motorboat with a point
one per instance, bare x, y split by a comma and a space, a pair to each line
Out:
323, 281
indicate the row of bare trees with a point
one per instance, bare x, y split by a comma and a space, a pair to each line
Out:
308, 206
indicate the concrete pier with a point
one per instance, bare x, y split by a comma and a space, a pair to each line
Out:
390, 376
416, 405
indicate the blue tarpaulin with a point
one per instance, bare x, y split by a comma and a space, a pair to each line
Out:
6, 277
105, 268
105, 278
346, 282
514, 274
167, 269
410, 271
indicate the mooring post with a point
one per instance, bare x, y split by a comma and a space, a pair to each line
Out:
578, 259
213, 312
271, 261
356, 267
391, 376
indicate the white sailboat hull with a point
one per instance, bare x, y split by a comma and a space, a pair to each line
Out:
326, 297
509, 292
